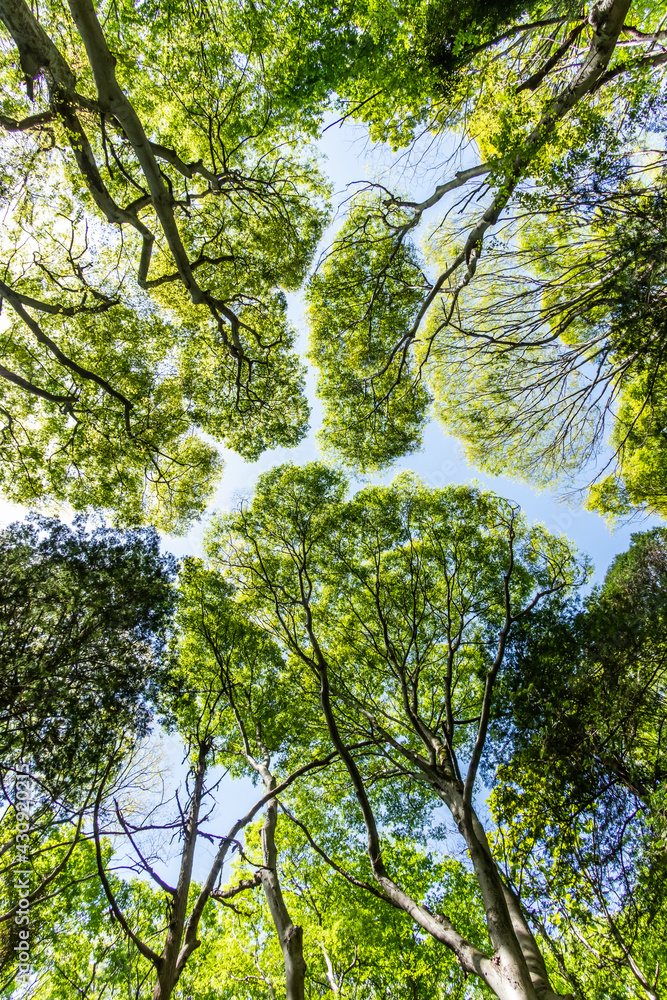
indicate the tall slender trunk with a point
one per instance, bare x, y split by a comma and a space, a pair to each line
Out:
167, 970
506, 972
514, 940
290, 935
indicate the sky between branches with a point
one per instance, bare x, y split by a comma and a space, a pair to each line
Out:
350, 157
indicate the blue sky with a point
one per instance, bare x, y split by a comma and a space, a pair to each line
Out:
441, 461
351, 157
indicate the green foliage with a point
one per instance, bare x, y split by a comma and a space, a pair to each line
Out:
561, 359
527, 336
452, 33
390, 605
75, 447
83, 619
400, 565
229, 679
389, 624
75, 943
639, 438
74, 892
363, 302
574, 663
119, 364
581, 768
402, 592
353, 942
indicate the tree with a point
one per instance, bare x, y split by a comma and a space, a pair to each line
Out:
399, 606
583, 722
49, 861
231, 672
563, 341
363, 256
586, 687
540, 320
354, 944
230, 696
222, 697
158, 203
84, 616
638, 438
366, 659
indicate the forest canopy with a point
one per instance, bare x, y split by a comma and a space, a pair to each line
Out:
455, 756
159, 205
376, 739
163, 194
521, 294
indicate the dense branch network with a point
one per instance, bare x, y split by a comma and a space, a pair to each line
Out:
186, 256
498, 339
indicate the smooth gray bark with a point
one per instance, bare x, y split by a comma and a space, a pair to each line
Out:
290, 935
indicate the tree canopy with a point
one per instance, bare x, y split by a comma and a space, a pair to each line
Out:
84, 622
162, 196
584, 723
531, 317
450, 749
159, 203
380, 664
84, 615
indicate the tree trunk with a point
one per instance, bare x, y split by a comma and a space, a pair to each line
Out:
516, 949
168, 971
290, 935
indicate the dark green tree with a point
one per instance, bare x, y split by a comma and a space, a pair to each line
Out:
583, 734
84, 620
84, 617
